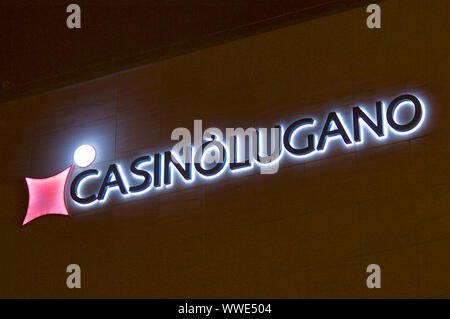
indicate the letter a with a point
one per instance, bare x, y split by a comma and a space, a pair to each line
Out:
374, 279
74, 279
73, 20
374, 20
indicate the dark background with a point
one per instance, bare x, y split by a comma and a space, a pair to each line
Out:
308, 231
39, 52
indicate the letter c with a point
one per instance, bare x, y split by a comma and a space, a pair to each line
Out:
75, 183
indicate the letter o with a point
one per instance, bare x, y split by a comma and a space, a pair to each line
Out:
199, 156
418, 113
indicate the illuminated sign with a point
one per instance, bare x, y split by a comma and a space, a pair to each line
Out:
46, 196
302, 138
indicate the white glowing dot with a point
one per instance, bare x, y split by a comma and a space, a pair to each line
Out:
84, 155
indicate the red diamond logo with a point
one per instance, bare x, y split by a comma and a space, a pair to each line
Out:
46, 196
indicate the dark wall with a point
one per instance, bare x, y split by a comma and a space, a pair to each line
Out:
40, 53
308, 231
